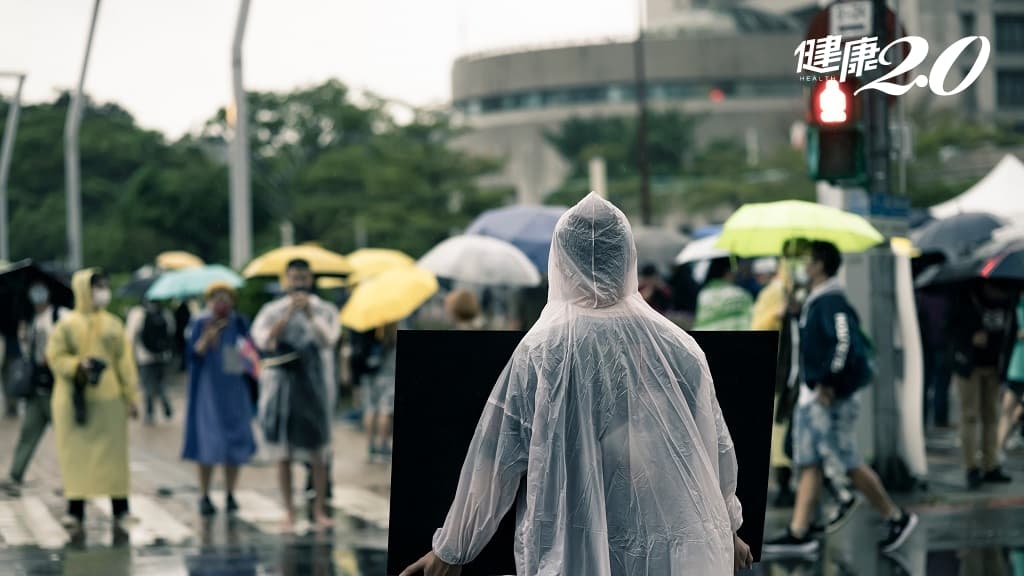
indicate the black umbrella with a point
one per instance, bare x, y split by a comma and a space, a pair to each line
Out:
15, 280
999, 261
137, 287
957, 236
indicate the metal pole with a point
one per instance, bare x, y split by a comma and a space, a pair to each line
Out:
71, 160
641, 128
7, 149
241, 196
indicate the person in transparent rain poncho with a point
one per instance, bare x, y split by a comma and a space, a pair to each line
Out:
607, 414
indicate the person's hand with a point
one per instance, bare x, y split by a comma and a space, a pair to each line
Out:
826, 395
743, 559
980, 339
431, 565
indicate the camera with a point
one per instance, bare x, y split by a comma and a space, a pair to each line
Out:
94, 371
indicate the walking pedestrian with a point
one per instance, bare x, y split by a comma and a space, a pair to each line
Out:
1013, 396
218, 420
299, 333
380, 397
834, 364
37, 405
980, 328
721, 304
151, 330
94, 394
606, 415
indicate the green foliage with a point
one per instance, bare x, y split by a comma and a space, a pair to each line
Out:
319, 159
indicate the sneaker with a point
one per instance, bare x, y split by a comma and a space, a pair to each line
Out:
841, 515
790, 545
206, 507
168, 411
996, 476
231, 505
70, 523
974, 479
899, 530
12, 488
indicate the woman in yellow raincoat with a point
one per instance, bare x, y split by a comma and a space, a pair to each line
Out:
94, 394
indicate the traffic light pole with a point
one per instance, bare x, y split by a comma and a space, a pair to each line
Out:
888, 462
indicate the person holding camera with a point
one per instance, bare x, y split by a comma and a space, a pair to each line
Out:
37, 404
94, 393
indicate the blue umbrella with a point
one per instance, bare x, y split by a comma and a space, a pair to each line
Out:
191, 282
529, 228
706, 231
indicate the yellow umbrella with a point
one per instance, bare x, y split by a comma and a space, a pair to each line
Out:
178, 260
369, 262
904, 246
388, 297
321, 260
329, 283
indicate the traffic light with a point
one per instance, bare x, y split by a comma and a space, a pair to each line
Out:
835, 135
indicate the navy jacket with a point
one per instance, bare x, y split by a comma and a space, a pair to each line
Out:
829, 339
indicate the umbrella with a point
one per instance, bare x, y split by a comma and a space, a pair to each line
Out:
705, 231
368, 262
14, 282
388, 297
957, 235
137, 287
658, 246
763, 229
322, 261
192, 282
999, 261
178, 260
703, 249
481, 260
528, 228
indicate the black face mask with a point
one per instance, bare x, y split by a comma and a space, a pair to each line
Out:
302, 290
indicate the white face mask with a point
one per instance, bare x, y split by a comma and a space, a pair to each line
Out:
800, 275
101, 297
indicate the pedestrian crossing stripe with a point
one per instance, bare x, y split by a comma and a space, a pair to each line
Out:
362, 504
263, 512
27, 522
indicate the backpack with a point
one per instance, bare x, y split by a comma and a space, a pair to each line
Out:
155, 336
860, 366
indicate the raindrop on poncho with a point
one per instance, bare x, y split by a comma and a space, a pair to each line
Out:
606, 416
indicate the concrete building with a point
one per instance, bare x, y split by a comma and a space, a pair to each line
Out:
730, 65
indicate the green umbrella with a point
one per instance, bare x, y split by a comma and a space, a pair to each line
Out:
763, 229
190, 282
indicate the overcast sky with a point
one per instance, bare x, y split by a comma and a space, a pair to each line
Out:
168, 61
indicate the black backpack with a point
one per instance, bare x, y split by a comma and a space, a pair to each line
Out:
155, 336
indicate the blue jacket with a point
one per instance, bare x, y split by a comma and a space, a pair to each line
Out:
832, 348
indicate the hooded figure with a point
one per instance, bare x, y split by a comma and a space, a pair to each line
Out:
608, 412
93, 456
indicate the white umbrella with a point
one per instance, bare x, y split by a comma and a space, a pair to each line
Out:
481, 260
703, 249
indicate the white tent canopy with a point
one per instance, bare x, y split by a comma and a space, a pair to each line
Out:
1000, 192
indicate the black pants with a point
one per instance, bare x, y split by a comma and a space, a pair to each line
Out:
76, 508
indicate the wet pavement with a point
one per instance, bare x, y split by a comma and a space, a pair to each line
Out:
961, 533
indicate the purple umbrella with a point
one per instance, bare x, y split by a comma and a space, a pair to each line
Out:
529, 228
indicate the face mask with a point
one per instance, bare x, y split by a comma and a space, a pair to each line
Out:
221, 309
38, 295
800, 275
101, 297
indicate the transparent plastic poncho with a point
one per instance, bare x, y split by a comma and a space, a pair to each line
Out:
606, 418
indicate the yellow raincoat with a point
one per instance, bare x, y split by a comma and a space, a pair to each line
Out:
768, 312
94, 457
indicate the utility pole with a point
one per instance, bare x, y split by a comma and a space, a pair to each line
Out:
6, 150
241, 195
641, 125
72, 164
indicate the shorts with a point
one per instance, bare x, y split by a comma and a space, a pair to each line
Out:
825, 436
380, 396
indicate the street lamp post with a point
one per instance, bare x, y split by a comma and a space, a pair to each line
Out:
641, 126
6, 150
241, 196
72, 165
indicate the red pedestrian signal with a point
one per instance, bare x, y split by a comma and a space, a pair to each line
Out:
832, 103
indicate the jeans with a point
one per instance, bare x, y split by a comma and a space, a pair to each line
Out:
33, 426
152, 379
